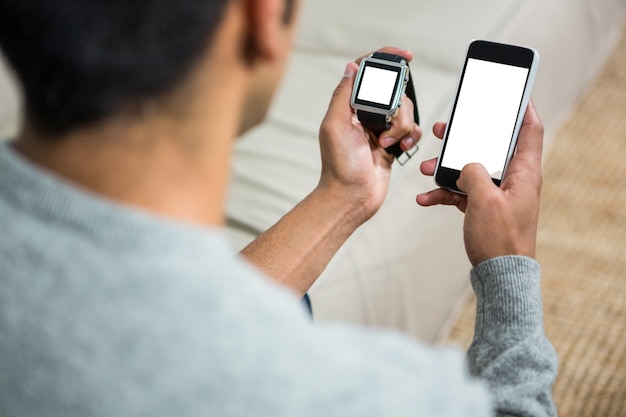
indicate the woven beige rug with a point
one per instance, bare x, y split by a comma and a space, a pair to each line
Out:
582, 249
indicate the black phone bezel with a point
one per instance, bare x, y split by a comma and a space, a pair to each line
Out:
486, 51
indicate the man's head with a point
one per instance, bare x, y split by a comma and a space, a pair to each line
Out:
80, 62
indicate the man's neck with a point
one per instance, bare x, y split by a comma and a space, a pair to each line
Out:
177, 168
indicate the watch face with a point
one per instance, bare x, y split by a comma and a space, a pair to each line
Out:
377, 85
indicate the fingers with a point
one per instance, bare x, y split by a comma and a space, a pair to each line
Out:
390, 50
475, 180
526, 162
403, 129
439, 129
428, 167
340, 102
442, 197
530, 141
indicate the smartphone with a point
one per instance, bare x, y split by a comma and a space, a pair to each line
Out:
488, 110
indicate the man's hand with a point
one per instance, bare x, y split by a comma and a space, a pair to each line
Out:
354, 162
498, 221
352, 187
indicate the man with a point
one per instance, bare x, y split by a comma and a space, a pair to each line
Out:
120, 295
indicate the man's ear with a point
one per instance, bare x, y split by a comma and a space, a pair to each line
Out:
265, 37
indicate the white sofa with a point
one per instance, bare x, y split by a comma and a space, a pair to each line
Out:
406, 268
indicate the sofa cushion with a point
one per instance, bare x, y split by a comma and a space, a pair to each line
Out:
406, 268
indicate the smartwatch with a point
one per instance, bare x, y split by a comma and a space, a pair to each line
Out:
380, 85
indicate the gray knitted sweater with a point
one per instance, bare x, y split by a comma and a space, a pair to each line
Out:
109, 311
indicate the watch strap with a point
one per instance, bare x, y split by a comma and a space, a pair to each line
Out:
377, 123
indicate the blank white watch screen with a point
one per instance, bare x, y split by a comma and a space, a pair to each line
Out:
377, 85
485, 116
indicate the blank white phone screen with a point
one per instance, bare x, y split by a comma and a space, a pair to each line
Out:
377, 85
485, 116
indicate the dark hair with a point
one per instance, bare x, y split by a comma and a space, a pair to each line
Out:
80, 61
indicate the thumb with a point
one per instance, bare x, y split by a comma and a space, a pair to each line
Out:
340, 101
475, 179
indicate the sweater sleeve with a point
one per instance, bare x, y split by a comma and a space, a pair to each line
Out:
510, 350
